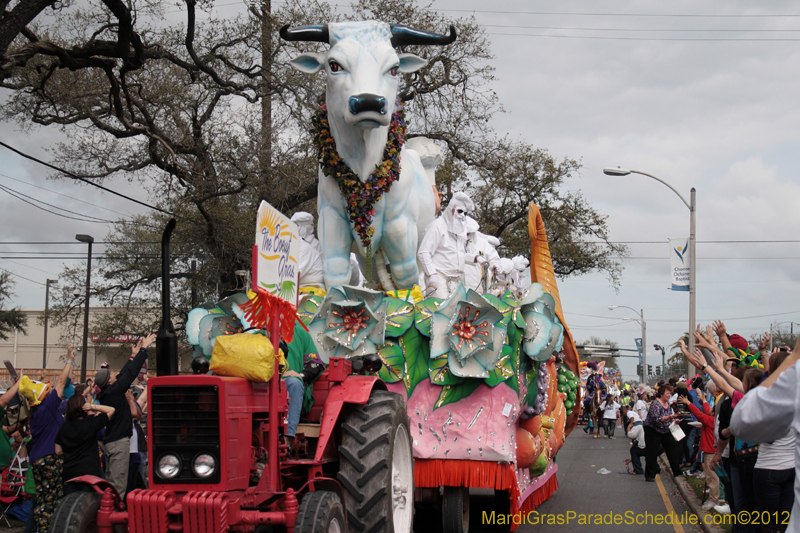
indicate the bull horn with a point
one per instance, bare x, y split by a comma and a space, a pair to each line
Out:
317, 33
404, 36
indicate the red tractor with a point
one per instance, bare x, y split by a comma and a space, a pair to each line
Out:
217, 465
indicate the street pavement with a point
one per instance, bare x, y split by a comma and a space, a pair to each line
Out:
585, 492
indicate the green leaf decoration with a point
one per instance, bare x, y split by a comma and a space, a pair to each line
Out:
509, 299
522, 365
532, 377
439, 371
393, 369
399, 316
423, 312
503, 369
505, 309
416, 349
453, 393
309, 308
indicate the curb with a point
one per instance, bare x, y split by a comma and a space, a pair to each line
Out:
690, 502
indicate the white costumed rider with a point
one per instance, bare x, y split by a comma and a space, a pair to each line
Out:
443, 250
310, 263
481, 257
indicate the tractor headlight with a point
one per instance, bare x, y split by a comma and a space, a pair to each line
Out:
169, 466
204, 465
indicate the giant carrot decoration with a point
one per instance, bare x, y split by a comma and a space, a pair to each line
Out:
542, 272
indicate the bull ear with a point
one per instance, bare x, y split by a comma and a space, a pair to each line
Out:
411, 63
308, 63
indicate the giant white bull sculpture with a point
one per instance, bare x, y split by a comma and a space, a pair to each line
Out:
363, 71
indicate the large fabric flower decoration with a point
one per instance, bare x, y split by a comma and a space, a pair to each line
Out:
468, 332
544, 333
350, 321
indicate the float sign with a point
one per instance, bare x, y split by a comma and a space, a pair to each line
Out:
679, 265
278, 251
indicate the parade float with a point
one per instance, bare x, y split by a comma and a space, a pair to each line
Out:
487, 383
491, 384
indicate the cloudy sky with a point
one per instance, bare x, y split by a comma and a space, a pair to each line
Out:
701, 95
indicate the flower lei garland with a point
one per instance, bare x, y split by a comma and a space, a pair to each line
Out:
361, 197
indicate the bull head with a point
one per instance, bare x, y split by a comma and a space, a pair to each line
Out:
362, 65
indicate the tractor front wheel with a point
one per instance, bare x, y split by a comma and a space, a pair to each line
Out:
76, 513
321, 512
376, 467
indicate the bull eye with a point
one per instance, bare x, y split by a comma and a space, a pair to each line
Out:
334, 66
394, 70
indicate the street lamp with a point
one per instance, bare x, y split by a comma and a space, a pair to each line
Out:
663, 361
46, 311
692, 240
644, 336
85, 348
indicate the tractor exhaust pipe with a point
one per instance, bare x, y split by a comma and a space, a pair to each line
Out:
166, 340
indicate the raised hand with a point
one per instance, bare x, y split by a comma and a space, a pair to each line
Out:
719, 328
764, 342
710, 334
700, 340
150, 339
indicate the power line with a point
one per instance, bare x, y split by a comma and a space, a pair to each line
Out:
31, 267
3, 188
14, 193
75, 243
74, 176
681, 321
23, 277
692, 30
597, 38
61, 194
647, 15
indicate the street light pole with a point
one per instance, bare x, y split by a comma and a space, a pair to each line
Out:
692, 206
692, 270
89, 240
46, 312
644, 337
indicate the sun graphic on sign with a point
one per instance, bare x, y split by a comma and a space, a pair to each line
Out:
269, 220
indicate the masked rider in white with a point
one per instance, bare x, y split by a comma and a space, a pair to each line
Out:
443, 250
310, 263
481, 257
518, 275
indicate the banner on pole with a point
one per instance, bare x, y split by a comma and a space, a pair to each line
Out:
680, 261
278, 249
639, 347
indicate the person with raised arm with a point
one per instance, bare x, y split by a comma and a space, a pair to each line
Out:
767, 414
45, 421
117, 440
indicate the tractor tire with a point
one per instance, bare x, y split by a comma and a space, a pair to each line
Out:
76, 513
376, 465
321, 512
455, 510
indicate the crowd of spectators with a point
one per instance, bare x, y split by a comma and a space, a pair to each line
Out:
71, 430
734, 424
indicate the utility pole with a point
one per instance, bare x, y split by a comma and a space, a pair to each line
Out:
46, 316
265, 157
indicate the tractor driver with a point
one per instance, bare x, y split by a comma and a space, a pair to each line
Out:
303, 366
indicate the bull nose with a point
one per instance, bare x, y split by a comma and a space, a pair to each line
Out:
367, 102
